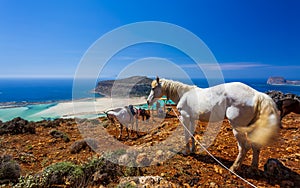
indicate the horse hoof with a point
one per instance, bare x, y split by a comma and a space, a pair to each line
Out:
185, 153
193, 151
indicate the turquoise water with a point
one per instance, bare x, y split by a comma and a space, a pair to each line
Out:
28, 112
26, 97
25, 112
25, 92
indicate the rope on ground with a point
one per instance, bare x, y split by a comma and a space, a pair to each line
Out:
212, 156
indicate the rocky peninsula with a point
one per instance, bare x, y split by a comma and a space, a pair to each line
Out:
135, 86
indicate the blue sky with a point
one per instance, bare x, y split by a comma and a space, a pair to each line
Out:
250, 39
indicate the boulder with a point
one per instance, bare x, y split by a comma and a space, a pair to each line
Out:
145, 181
9, 169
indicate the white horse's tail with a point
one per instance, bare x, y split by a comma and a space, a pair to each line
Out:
265, 126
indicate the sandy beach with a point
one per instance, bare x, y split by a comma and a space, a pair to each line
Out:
86, 107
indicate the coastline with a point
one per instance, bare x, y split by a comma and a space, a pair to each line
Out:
5, 105
293, 85
80, 108
47, 104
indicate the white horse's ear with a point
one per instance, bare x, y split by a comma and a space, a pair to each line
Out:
157, 79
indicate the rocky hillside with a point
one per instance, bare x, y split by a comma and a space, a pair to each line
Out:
135, 86
45, 158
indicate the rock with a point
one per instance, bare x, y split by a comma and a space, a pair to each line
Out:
273, 168
159, 154
124, 159
275, 171
92, 143
133, 184
9, 169
142, 160
275, 95
287, 183
213, 185
99, 177
132, 152
77, 146
58, 134
17, 126
159, 158
145, 181
289, 149
279, 98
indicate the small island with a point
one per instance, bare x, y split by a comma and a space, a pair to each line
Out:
282, 81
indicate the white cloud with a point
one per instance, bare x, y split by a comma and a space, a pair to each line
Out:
285, 67
226, 66
241, 65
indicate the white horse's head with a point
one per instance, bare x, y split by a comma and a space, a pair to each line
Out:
156, 91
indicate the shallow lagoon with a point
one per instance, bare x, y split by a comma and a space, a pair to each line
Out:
26, 112
89, 109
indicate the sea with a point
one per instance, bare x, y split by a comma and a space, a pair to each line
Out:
26, 97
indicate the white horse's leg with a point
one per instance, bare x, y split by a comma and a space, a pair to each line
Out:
192, 129
132, 127
243, 149
136, 125
121, 129
127, 131
185, 120
255, 159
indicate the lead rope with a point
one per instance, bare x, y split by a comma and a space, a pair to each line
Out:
212, 156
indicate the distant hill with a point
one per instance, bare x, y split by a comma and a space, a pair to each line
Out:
282, 81
135, 86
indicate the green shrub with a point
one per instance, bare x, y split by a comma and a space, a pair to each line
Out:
59, 134
62, 173
97, 171
65, 173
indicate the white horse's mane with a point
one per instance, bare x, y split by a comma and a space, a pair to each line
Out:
174, 89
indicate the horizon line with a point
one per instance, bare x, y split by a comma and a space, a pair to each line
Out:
113, 77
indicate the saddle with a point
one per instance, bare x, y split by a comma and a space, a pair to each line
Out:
130, 111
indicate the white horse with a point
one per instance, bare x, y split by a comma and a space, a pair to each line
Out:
253, 115
125, 117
